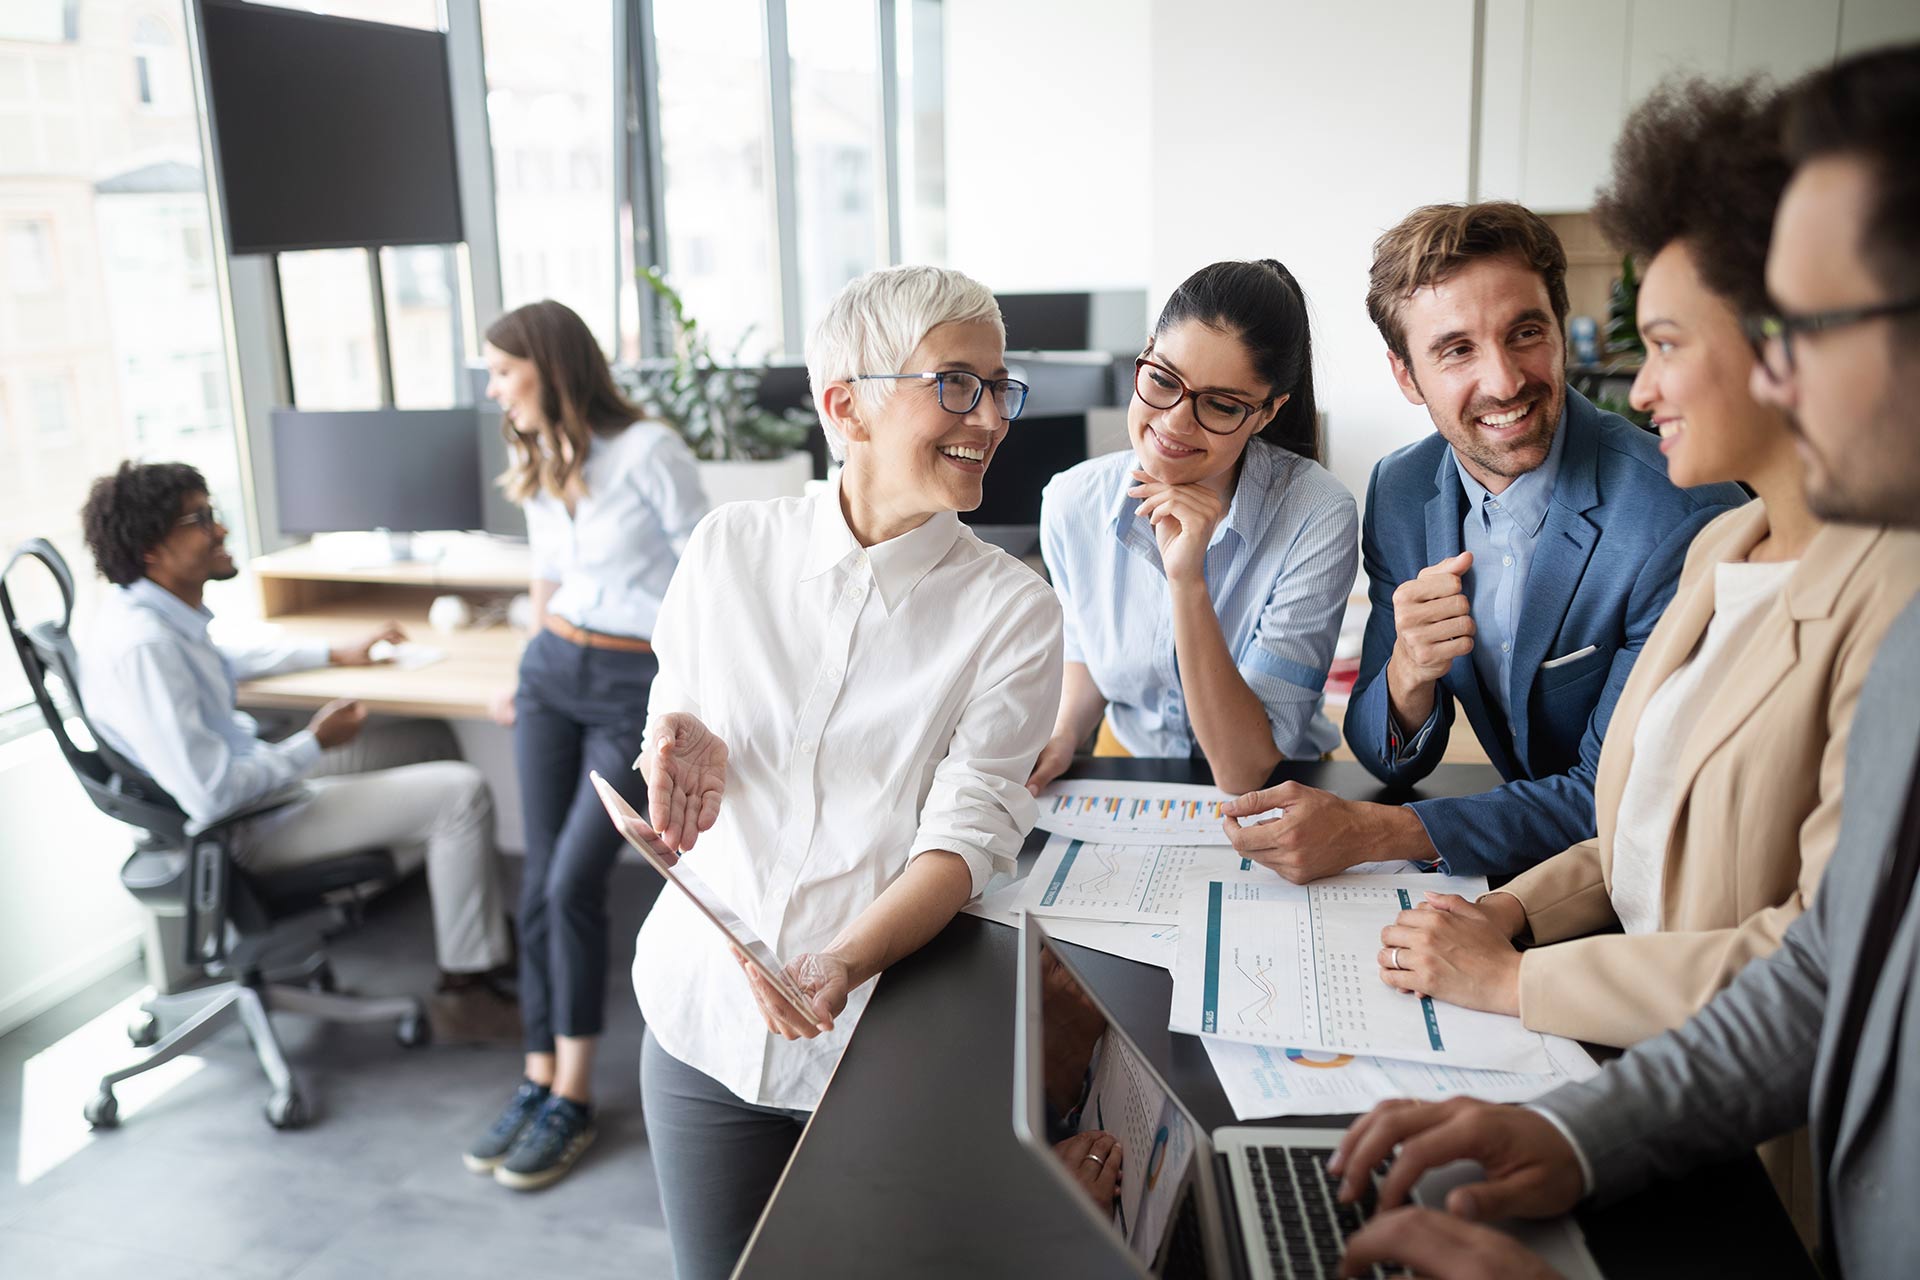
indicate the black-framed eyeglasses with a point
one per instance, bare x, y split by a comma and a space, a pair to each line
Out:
959, 391
205, 517
1775, 331
1215, 411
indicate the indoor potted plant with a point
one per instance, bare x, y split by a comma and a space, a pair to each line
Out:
744, 451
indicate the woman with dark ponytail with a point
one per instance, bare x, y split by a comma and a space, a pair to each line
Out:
1204, 572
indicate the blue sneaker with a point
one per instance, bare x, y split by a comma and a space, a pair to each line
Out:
484, 1156
547, 1147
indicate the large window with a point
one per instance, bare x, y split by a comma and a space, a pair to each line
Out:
838, 176
550, 82
110, 335
716, 163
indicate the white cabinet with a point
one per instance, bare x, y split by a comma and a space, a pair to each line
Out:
1558, 77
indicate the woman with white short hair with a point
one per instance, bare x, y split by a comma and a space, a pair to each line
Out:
852, 692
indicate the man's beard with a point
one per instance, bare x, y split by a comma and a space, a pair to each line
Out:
1500, 460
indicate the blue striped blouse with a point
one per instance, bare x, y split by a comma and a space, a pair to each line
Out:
1279, 569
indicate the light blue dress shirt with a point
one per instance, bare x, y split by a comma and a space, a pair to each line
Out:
1502, 531
163, 694
614, 556
1279, 569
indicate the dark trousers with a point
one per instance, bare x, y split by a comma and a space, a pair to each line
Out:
716, 1160
576, 710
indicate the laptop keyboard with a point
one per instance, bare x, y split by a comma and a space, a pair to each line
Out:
1302, 1221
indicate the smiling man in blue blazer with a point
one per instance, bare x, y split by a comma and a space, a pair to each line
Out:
1517, 560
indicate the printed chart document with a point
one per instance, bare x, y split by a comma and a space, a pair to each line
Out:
1267, 962
1150, 813
1154, 1138
1144, 943
1136, 883
1263, 1081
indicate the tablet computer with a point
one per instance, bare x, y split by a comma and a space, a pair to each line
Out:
708, 903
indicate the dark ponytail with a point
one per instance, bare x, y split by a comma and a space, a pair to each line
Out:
1261, 304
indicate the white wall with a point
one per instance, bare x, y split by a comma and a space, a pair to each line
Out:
1323, 126
65, 922
1046, 118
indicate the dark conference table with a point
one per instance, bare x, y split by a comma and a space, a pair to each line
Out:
910, 1166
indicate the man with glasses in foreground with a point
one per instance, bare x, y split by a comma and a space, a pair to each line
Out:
163, 694
1826, 1030
1517, 561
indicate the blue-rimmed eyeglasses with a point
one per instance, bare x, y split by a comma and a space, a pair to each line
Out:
959, 391
1773, 332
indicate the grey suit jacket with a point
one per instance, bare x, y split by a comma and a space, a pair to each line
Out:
1762, 1056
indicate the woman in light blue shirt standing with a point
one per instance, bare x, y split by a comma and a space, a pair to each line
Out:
610, 501
1204, 572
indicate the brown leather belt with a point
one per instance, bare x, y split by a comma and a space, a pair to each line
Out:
595, 639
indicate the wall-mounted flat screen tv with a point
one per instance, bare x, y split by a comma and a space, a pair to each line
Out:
330, 132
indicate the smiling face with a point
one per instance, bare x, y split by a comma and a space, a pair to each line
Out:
1694, 380
912, 456
513, 383
1488, 361
192, 555
1170, 445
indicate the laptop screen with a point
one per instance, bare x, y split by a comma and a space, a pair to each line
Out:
1076, 1072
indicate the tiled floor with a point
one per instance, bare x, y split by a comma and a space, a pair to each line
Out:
195, 1184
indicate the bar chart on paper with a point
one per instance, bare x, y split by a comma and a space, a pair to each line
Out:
1266, 962
1083, 880
1113, 812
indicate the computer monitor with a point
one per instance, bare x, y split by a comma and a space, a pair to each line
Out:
401, 470
1047, 321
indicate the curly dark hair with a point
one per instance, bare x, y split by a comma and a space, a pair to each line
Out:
1702, 163
132, 511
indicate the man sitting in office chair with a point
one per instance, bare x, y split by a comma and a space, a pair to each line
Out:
163, 694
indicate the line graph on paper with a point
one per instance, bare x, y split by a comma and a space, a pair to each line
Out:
1261, 1010
1140, 883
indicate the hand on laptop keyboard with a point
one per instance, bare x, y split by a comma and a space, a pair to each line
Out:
1439, 1246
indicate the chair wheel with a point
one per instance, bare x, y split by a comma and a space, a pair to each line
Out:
413, 1032
286, 1110
103, 1110
143, 1029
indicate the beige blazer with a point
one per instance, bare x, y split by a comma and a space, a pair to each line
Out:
1760, 780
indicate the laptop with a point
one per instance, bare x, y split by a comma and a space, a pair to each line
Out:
1251, 1201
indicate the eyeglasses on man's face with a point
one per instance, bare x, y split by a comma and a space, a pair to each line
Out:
959, 391
1215, 411
1772, 333
206, 518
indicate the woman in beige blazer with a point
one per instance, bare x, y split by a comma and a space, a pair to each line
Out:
1718, 792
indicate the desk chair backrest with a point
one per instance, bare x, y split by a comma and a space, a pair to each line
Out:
117, 786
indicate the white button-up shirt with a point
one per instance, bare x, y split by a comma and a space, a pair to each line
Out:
876, 704
615, 554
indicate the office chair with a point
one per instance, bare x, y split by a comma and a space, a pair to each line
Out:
257, 934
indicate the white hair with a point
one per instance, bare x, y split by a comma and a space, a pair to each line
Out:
875, 323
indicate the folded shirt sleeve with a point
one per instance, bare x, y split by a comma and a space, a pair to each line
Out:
1299, 628
979, 806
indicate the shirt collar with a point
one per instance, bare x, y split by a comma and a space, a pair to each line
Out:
1526, 500
896, 565
189, 620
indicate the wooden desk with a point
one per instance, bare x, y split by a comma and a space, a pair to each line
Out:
321, 590
910, 1168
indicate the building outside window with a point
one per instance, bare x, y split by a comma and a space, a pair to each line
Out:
110, 335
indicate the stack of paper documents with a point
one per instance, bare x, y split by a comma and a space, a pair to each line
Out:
1280, 981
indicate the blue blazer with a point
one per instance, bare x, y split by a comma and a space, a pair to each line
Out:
1606, 564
